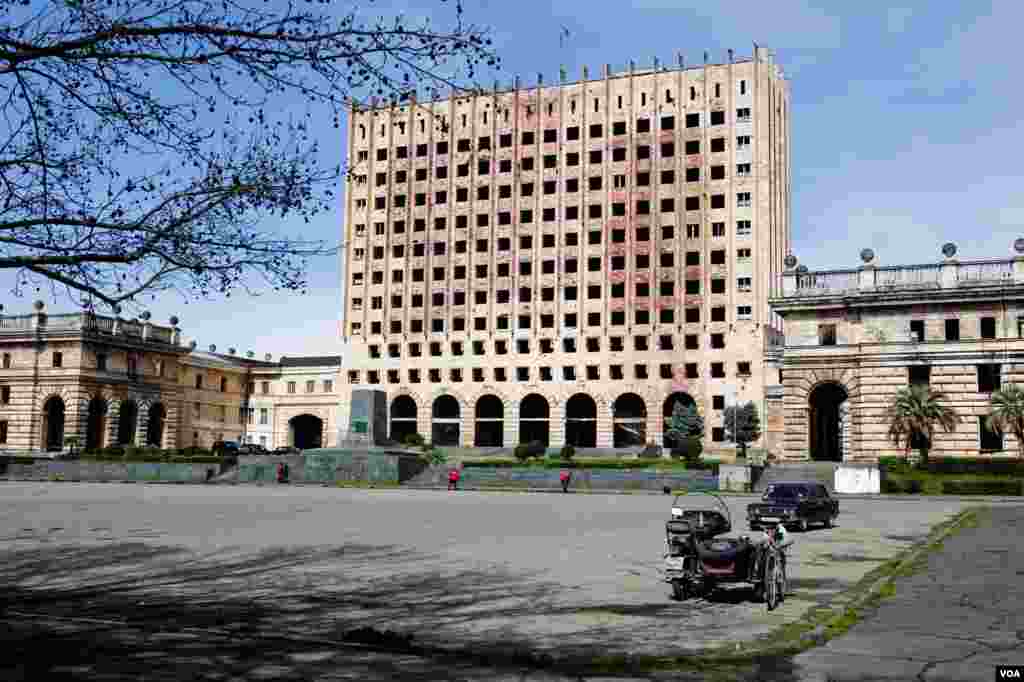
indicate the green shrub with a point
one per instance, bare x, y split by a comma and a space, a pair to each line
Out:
976, 465
525, 451
690, 450
414, 440
983, 487
567, 453
434, 456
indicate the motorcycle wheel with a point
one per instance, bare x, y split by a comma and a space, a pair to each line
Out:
770, 582
678, 591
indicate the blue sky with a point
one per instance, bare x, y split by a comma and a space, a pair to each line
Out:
906, 131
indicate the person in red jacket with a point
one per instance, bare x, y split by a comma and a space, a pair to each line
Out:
566, 477
453, 479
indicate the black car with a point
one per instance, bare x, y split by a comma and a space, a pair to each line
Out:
252, 449
794, 504
287, 450
225, 447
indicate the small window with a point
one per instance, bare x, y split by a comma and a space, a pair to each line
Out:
827, 334
988, 327
989, 379
58, 359
989, 440
919, 375
953, 330
917, 330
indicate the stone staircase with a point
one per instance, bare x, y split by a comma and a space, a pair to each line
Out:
818, 472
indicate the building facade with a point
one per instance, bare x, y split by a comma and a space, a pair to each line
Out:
108, 381
564, 263
855, 337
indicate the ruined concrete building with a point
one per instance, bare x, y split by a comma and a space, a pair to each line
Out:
565, 262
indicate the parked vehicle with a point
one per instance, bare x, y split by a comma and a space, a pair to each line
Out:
225, 447
701, 556
794, 504
252, 449
287, 450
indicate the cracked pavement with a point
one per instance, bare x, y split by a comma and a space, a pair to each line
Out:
214, 582
955, 620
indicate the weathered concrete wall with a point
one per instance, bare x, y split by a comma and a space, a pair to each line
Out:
734, 478
47, 470
593, 479
858, 479
328, 465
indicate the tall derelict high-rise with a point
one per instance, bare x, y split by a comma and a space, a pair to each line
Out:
565, 262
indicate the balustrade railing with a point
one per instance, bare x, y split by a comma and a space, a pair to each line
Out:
835, 281
19, 323
984, 271
910, 275
84, 322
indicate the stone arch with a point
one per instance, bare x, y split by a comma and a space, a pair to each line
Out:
535, 419
96, 411
667, 408
629, 421
489, 422
156, 420
54, 417
127, 421
402, 413
581, 421
446, 420
828, 421
306, 431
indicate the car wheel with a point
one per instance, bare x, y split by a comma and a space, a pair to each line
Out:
754, 526
829, 522
802, 525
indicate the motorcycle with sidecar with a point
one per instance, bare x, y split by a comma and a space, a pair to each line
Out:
701, 555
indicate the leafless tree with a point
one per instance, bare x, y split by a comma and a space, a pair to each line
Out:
143, 142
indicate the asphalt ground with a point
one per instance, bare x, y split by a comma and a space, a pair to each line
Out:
111, 581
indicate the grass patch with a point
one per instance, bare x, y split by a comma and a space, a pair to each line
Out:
367, 484
931, 483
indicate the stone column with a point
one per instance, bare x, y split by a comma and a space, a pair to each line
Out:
605, 437
556, 424
510, 425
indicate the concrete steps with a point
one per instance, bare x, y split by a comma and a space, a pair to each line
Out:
818, 472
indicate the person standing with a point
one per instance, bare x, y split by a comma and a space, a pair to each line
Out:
566, 478
453, 479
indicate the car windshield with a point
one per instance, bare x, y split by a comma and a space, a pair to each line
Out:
786, 491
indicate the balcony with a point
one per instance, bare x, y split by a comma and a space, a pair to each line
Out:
901, 278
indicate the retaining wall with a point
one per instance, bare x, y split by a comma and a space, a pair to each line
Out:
330, 465
84, 470
592, 479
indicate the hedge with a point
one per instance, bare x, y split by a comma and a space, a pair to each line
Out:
586, 463
981, 487
895, 485
957, 465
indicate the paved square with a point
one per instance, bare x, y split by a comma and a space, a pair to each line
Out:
553, 572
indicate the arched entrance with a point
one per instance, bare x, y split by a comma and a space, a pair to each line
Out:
827, 423
53, 424
581, 421
446, 420
534, 420
403, 418
489, 422
155, 425
686, 400
306, 431
629, 421
96, 424
127, 420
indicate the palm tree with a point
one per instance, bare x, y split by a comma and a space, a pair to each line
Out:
914, 414
1008, 413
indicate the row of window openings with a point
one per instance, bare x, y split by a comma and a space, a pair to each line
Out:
618, 236
572, 159
569, 265
989, 376
550, 214
569, 293
593, 345
592, 373
986, 330
547, 321
550, 135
